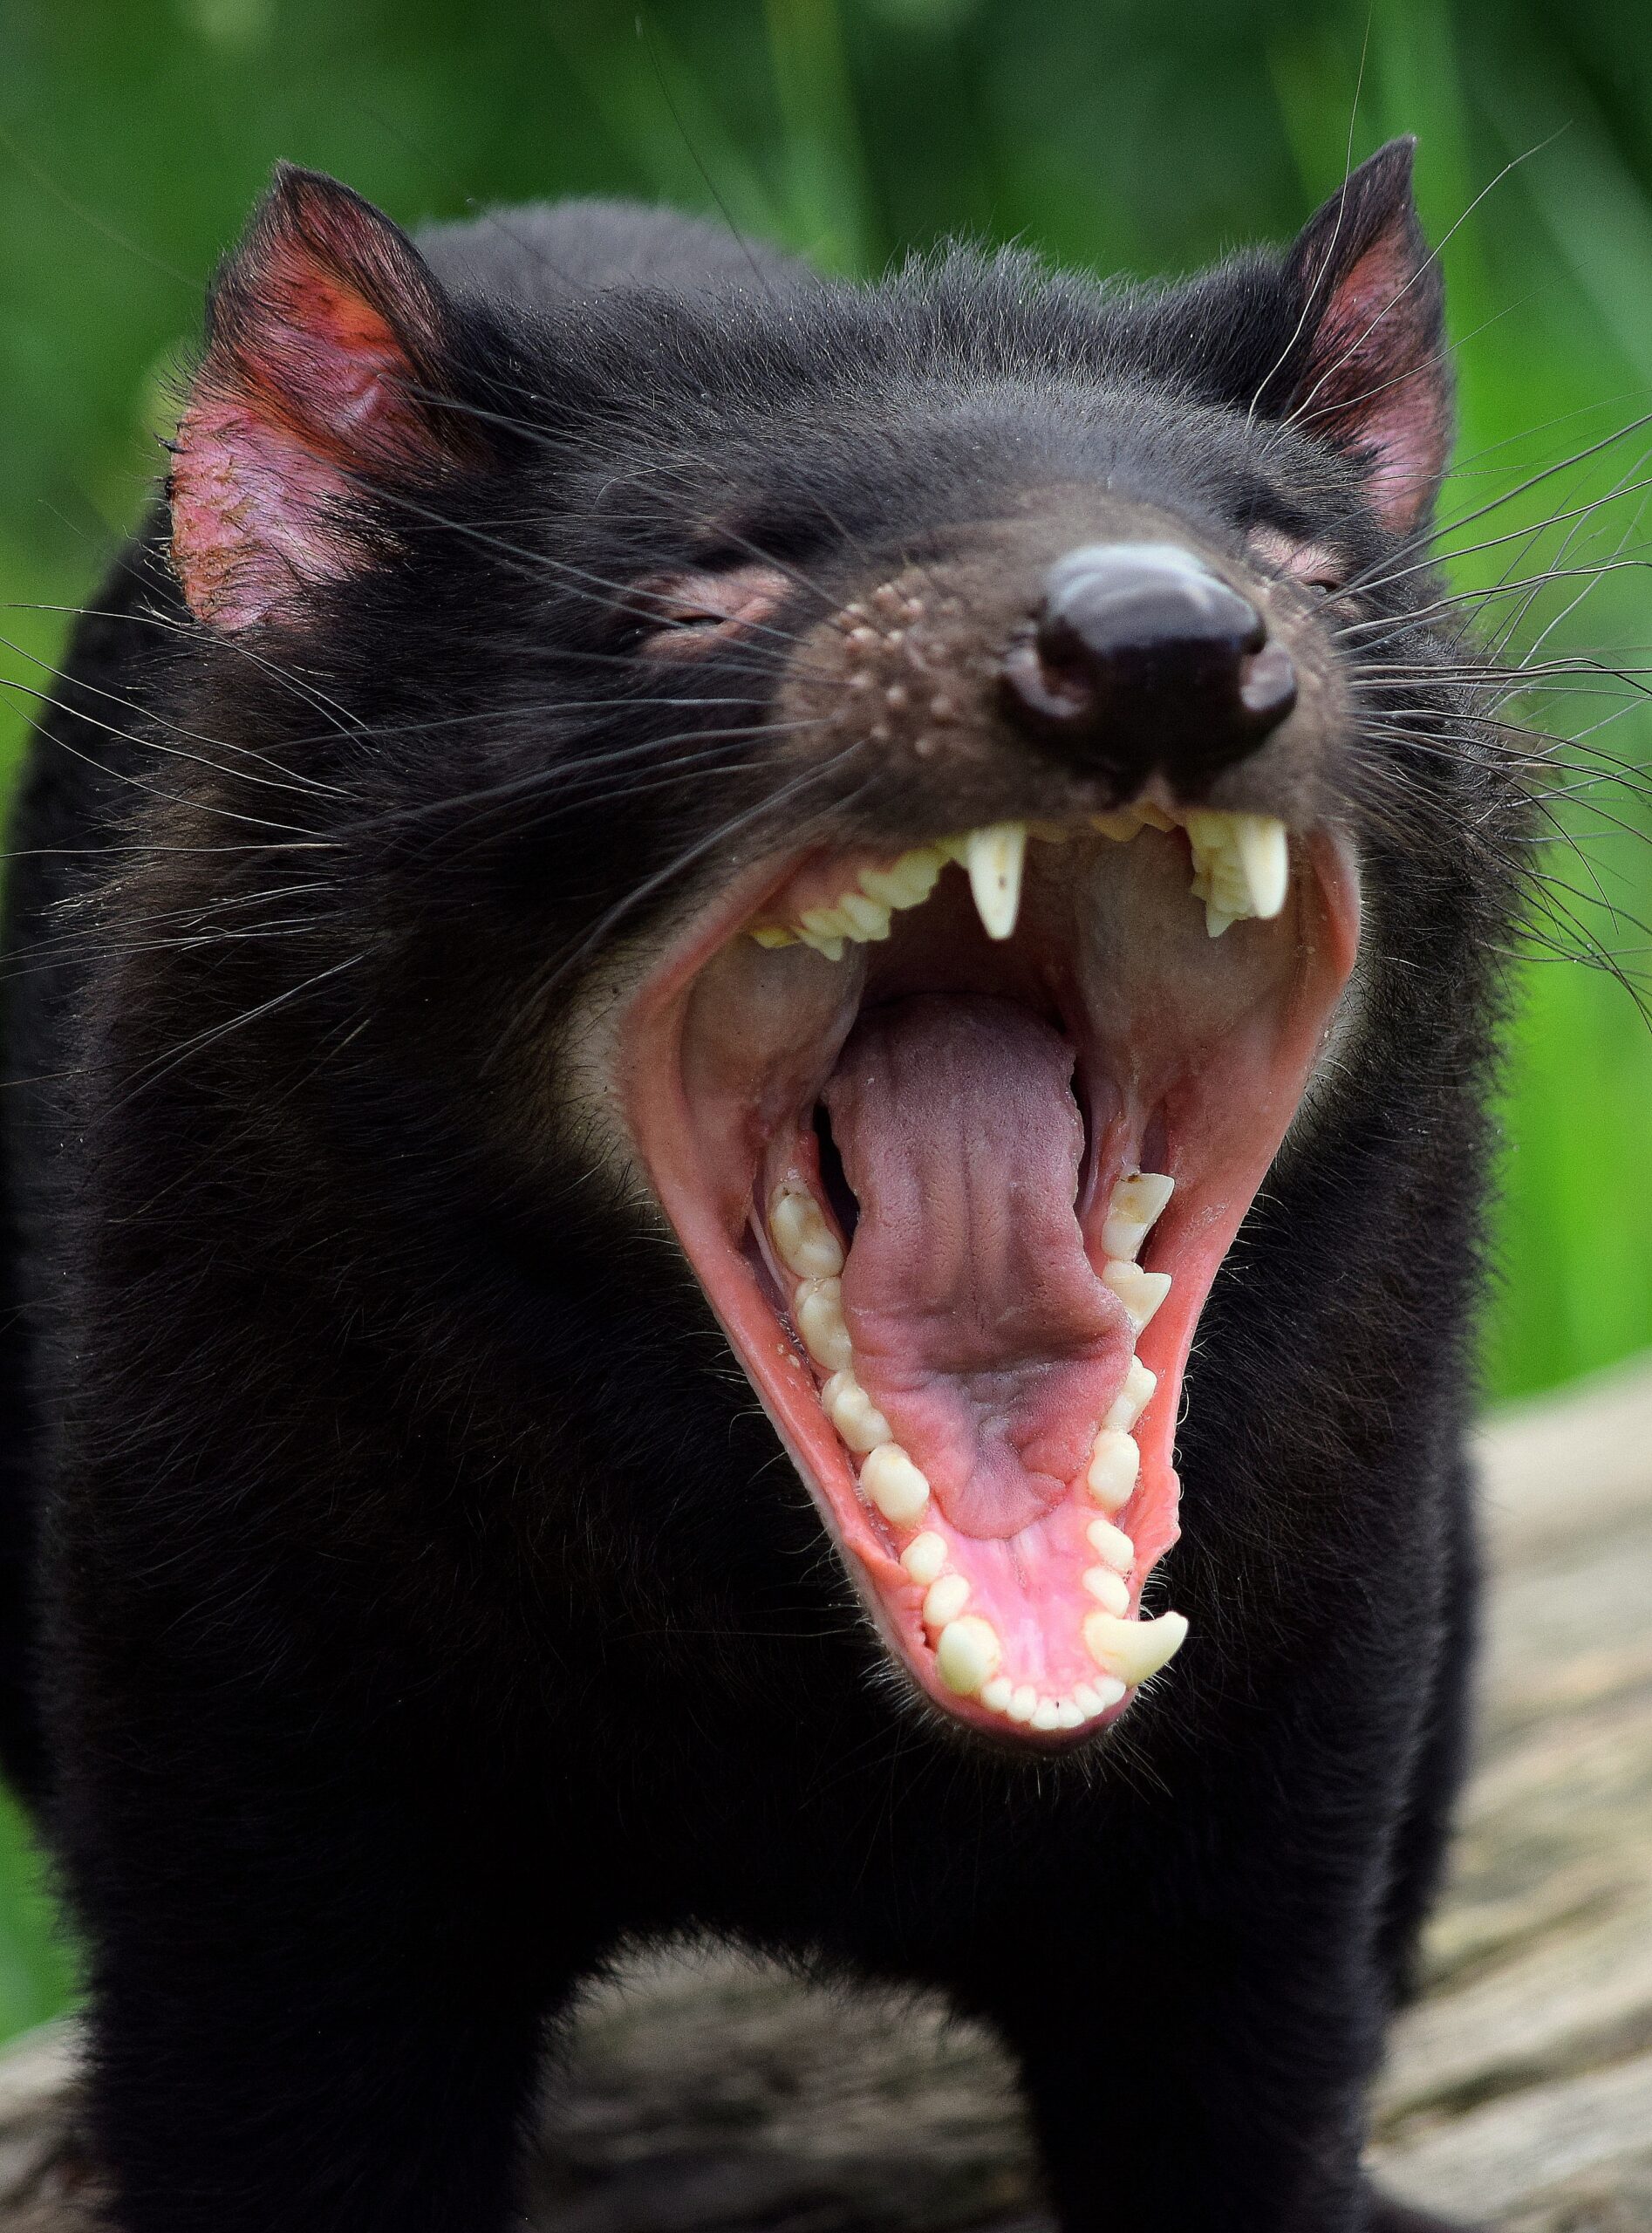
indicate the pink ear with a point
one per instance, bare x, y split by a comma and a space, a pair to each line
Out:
325, 340
1374, 380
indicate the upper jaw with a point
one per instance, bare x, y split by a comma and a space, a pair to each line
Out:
999, 1483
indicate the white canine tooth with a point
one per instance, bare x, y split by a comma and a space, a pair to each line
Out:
867, 919
1264, 854
908, 882
1069, 1714
994, 858
1134, 1207
805, 1243
1110, 1591
1140, 1291
966, 1654
945, 1599
1131, 1650
998, 1693
818, 1309
925, 1556
854, 1414
1023, 1703
1111, 1545
1132, 1398
1115, 1463
1047, 1714
1086, 1699
896, 1485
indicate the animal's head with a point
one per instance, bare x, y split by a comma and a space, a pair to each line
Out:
884, 779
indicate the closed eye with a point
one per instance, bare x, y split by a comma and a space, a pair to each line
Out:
682, 615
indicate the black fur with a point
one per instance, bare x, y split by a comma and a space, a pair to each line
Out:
425, 1604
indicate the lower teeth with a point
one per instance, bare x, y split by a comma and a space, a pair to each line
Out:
967, 1650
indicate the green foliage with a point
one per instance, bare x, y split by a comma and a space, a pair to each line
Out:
134, 134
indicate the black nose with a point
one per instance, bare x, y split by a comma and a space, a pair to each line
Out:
1141, 660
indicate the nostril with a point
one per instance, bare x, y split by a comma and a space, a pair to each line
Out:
1142, 656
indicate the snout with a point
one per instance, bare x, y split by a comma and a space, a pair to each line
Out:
1141, 660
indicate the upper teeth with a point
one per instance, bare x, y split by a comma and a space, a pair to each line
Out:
1241, 867
993, 859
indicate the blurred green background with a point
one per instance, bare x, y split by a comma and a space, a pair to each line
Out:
1115, 134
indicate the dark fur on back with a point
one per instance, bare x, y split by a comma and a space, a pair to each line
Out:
426, 1605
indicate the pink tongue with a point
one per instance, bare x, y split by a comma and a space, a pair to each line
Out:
979, 1328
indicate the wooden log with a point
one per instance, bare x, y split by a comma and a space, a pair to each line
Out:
708, 2094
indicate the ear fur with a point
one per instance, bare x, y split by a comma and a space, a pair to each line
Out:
327, 338
1368, 372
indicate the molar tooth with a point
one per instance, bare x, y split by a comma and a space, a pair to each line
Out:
925, 1556
1023, 1703
1047, 1714
818, 1310
854, 1414
1115, 1463
998, 1693
1110, 1591
967, 1653
1134, 1207
825, 922
1120, 825
896, 1485
1132, 1398
1140, 1291
994, 858
773, 934
908, 882
1131, 1650
805, 1243
1111, 1545
945, 1599
832, 948
868, 918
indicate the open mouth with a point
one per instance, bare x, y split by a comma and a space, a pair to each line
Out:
955, 1141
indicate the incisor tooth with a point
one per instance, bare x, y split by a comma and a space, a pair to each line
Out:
806, 1244
945, 1599
998, 1693
1086, 1699
966, 1654
994, 858
818, 1309
1140, 1291
925, 1556
1111, 1544
1110, 1591
1132, 1398
1131, 1650
854, 1414
1115, 1463
1134, 1207
1023, 1703
1047, 1714
1069, 1714
895, 1485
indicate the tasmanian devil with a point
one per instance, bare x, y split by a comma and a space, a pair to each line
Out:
743, 1163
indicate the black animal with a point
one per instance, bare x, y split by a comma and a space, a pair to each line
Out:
624, 771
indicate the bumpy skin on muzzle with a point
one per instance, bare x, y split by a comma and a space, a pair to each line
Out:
1142, 660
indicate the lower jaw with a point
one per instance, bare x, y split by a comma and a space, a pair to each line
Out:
1067, 1662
